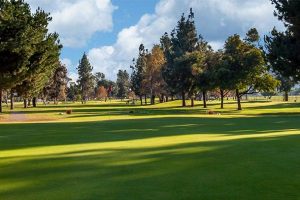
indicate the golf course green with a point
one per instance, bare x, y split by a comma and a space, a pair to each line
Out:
117, 151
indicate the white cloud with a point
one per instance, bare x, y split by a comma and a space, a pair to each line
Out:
77, 20
72, 73
66, 62
216, 45
215, 20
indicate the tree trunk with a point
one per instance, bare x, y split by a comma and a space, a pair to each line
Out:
167, 98
141, 99
204, 99
172, 97
192, 102
222, 99
183, 99
162, 98
34, 102
25, 103
11, 99
238, 98
146, 100
29, 102
286, 96
152, 99
0, 100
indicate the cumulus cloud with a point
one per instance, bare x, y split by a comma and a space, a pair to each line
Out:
215, 20
71, 69
77, 20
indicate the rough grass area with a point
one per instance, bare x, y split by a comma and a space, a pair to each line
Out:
116, 151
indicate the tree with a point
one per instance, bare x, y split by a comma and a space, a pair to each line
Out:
168, 70
283, 48
183, 42
24, 44
138, 71
152, 78
207, 61
86, 78
102, 93
289, 12
73, 91
108, 84
248, 70
286, 85
59, 83
123, 84
221, 76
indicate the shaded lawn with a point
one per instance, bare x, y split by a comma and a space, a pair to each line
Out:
187, 157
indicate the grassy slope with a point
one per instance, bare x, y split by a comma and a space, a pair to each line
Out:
158, 152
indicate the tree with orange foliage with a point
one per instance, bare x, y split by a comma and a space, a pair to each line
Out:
102, 93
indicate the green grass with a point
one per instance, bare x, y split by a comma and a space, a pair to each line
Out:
103, 151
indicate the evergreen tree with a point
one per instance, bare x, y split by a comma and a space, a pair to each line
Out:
138, 71
86, 78
168, 70
123, 84
283, 48
24, 44
184, 41
59, 84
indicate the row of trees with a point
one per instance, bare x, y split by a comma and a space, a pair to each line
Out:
29, 54
185, 64
96, 86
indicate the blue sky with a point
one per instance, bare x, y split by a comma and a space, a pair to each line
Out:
110, 31
127, 13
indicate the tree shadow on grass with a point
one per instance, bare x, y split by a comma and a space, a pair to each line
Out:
18, 136
264, 168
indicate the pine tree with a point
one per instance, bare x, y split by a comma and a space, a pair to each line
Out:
184, 41
283, 48
123, 84
138, 70
23, 38
86, 78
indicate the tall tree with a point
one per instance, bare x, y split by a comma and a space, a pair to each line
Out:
283, 48
152, 79
168, 70
184, 41
208, 60
23, 35
42, 68
138, 71
59, 83
123, 84
222, 76
246, 63
86, 78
